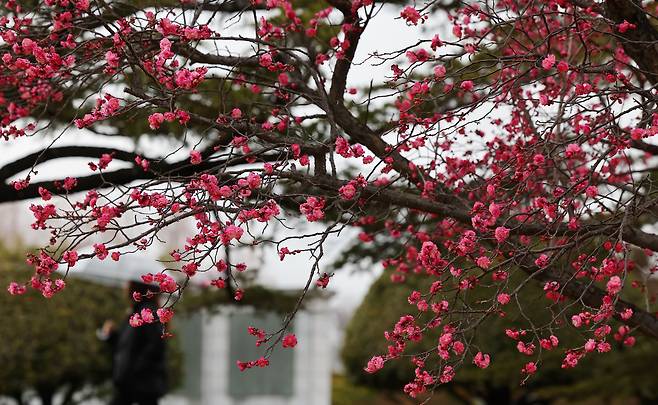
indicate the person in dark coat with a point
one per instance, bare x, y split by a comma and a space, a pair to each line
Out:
139, 367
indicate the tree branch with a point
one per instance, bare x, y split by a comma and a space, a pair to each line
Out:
592, 296
33, 159
639, 43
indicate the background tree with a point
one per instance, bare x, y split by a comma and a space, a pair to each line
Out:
621, 376
513, 148
51, 349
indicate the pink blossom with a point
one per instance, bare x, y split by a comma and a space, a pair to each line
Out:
445, 339
155, 120
481, 360
42, 214
590, 345
105, 160
527, 349
614, 285
542, 261
494, 210
112, 59
70, 183
436, 43
625, 26
503, 299
71, 257
458, 347
447, 375
144, 163
45, 194
167, 284
289, 341
165, 314
195, 157
430, 256
573, 150
135, 321
190, 269
16, 289
21, 184
550, 343
375, 364
571, 360
638, 133
483, 262
439, 71
548, 62
313, 209
501, 234
562, 66
82, 5
626, 314
347, 192
265, 60
457, 30
512, 334
147, 315
182, 116
232, 232
283, 79
323, 281
410, 15
100, 250
529, 368
187, 79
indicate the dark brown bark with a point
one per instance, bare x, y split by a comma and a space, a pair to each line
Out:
641, 42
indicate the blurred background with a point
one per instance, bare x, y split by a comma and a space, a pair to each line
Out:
50, 353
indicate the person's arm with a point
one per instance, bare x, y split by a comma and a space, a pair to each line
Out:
108, 333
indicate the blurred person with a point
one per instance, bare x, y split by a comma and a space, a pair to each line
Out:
139, 366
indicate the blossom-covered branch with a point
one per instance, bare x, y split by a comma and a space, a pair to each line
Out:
513, 150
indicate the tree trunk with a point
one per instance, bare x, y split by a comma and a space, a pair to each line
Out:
68, 395
46, 396
18, 397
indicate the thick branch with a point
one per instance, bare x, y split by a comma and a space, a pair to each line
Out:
126, 176
33, 159
592, 296
647, 147
361, 133
641, 42
409, 200
343, 65
124, 9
